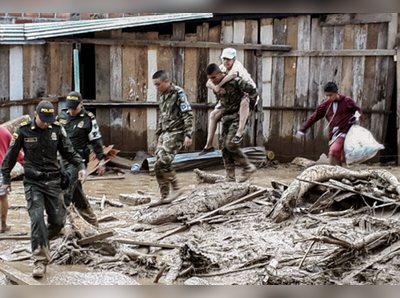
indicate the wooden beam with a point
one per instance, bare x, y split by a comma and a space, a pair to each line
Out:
172, 44
17, 276
90, 240
355, 18
398, 98
149, 244
332, 53
28, 102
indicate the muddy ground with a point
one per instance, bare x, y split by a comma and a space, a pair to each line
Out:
246, 237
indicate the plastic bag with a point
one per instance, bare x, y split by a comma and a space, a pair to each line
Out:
360, 145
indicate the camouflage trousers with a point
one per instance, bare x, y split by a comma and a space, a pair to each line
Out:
169, 145
40, 196
231, 152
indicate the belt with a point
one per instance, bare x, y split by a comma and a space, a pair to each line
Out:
37, 175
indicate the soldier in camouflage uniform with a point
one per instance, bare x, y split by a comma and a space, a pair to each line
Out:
230, 102
82, 129
41, 139
174, 131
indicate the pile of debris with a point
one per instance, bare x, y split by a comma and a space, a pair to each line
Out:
329, 226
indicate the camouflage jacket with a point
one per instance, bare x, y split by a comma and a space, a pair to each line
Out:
83, 130
235, 90
40, 149
175, 112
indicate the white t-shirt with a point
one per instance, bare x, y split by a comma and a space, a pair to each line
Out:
238, 68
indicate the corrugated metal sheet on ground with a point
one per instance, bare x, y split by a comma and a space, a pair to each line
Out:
190, 161
25, 33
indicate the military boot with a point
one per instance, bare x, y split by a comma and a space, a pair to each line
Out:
176, 190
88, 215
247, 172
230, 176
163, 185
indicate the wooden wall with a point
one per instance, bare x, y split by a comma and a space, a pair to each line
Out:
356, 51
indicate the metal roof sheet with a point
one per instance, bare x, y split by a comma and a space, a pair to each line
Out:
37, 32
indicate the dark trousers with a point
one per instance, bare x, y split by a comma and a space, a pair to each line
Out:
40, 196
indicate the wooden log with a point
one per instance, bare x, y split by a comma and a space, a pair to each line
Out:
17, 276
149, 244
121, 162
216, 211
105, 178
90, 240
12, 125
15, 238
134, 199
398, 96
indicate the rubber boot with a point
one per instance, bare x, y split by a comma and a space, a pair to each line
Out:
42, 257
176, 190
88, 215
247, 172
230, 176
164, 188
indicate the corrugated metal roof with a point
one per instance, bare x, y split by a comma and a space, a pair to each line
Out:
37, 32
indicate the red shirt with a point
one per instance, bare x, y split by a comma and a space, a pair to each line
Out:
346, 107
5, 139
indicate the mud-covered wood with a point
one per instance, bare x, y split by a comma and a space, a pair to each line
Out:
321, 173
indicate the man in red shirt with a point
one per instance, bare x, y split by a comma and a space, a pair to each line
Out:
339, 110
5, 139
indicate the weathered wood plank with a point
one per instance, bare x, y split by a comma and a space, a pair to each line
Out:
360, 40
332, 53
278, 79
370, 73
398, 97
102, 63
265, 80
66, 69
178, 54
17, 276
35, 81
4, 82
356, 18
152, 92
201, 119
250, 63
190, 78
302, 78
165, 41
53, 69
346, 86
289, 84
315, 138
16, 79
134, 130
116, 68
239, 31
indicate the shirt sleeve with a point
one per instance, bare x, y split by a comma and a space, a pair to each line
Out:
67, 150
317, 115
11, 156
352, 105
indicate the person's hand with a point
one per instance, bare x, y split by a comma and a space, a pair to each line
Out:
6, 188
82, 176
188, 142
221, 91
299, 134
101, 169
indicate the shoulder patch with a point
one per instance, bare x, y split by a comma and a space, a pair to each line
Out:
56, 123
24, 123
90, 114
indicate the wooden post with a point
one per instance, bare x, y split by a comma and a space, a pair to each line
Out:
398, 97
